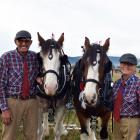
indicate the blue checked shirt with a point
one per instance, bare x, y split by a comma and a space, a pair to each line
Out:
11, 75
131, 96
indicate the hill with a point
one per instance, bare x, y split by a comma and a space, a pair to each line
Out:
114, 59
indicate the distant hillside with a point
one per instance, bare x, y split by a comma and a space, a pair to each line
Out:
74, 59
114, 59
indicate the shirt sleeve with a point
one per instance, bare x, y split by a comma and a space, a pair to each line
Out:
115, 88
138, 94
3, 83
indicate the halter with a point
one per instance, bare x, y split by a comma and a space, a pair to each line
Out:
104, 85
63, 77
50, 71
50, 56
94, 80
91, 79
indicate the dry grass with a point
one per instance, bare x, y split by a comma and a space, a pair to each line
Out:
71, 118
73, 134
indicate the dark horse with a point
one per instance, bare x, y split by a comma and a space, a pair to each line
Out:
56, 81
90, 90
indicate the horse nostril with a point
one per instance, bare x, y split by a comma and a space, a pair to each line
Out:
92, 101
94, 97
45, 86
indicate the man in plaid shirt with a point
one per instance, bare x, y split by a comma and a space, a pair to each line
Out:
14, 106
126, 128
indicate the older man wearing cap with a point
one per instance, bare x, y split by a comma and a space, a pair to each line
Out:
127, 100
18, 72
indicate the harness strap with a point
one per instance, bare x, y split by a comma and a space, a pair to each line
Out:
50, 71
92, 80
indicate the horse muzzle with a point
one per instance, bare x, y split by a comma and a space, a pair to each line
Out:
50, 90
90, 100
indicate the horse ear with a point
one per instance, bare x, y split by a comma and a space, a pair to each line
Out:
87, 43
61, 40
106, 44
40, 39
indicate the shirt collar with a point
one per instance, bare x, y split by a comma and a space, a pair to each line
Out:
129, 80
22, 57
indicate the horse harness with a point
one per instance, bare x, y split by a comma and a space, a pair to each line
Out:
63, 79
105, 87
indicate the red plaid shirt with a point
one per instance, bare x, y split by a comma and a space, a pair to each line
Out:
11, 75
131, 96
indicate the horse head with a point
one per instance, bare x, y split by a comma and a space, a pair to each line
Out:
51, 53
93, 68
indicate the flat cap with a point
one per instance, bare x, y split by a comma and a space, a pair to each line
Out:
23, 34
128, 58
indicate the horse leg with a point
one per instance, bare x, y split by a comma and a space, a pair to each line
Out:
40, 118
91, 131
43, 128
45, 125
86, 133
59, 128
104, 125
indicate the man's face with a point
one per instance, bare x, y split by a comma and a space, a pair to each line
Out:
127, 68
23, 45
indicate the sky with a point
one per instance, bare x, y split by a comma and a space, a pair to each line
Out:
97, 19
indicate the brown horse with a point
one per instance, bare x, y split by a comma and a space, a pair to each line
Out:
88, 88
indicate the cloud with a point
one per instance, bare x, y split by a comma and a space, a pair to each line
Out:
98, 20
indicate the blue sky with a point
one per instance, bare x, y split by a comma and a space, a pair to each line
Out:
96, 19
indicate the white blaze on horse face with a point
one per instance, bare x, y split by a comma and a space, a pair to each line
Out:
90, 87
50, 79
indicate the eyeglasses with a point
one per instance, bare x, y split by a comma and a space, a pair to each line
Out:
27, 41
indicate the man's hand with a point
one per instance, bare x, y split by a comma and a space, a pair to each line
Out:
6, 117
39, 80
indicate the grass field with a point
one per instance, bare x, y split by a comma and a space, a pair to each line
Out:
71, 118
73, 134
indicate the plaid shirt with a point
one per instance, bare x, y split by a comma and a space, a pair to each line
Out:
131, 96
11, 75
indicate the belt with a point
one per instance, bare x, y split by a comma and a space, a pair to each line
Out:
134, 116
20, 97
